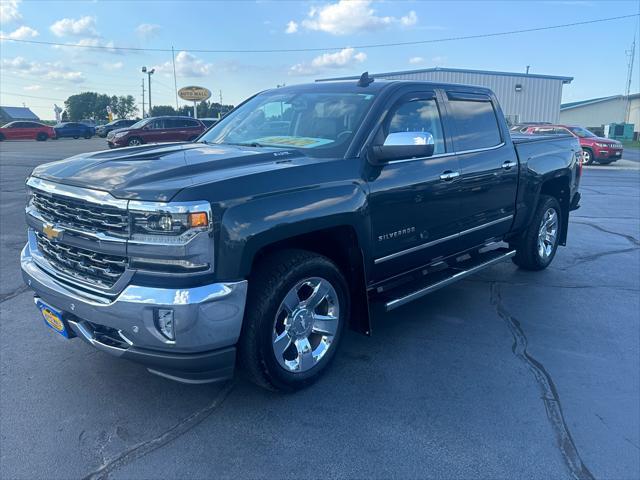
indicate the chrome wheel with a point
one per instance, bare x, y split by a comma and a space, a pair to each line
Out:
306, 324
134, 142
586, 157
548, 233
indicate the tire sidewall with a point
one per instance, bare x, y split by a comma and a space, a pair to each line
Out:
549, 202
42, 137
316, 267
587, 151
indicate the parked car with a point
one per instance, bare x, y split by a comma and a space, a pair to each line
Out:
103, 130
594, 148
288, 221
157, 130
74, 130
26, 131
208, 122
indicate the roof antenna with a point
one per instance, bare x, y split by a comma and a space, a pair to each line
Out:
365, 80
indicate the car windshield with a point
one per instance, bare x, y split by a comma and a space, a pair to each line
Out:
581, 132
320, 123
140, 124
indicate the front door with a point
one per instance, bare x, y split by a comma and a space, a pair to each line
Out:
413, 203
488, 168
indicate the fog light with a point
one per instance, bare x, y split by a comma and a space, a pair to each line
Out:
165, 323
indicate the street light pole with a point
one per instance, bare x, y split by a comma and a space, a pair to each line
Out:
149, 73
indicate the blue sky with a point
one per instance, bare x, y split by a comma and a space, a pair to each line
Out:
40, 75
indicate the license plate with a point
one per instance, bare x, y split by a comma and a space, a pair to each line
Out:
618, 154
53, 319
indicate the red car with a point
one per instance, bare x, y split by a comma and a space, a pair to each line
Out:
156, 130
594, 148
26, 131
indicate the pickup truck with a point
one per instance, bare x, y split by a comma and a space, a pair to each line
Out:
301, 213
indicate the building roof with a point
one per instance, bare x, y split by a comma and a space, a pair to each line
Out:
19, 113
583, 103
457, 70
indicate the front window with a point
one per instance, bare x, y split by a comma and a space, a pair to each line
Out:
582, 132
140, 124
320, 123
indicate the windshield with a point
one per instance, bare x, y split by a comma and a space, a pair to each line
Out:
140, 124
581, 132
320, 123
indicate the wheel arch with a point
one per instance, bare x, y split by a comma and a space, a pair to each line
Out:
340, 244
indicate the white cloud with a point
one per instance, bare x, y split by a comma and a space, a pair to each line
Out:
292, 27
416, 60
80, 27
352, 16
46, 70
21, 33
32, 88
9, 11
346, 57
147, 30
113, 66
100, 45
187, 65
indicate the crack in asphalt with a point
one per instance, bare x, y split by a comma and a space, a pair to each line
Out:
596, 256
630, 238
148, 446
550, 395
14, 293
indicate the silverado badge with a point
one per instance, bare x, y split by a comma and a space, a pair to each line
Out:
52, 232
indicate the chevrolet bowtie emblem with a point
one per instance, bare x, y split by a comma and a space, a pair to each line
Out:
52, 232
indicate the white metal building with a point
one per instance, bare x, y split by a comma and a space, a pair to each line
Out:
597, 112
523, 97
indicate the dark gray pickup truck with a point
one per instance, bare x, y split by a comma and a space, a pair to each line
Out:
287, 222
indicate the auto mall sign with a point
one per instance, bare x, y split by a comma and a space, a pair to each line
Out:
195, 94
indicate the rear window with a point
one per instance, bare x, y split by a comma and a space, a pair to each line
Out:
476, 124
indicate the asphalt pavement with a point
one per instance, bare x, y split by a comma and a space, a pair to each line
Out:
509, 374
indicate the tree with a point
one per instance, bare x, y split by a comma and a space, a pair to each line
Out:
161, 110
124, 107
94, 105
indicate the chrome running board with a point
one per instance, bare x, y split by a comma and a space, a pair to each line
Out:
451, 275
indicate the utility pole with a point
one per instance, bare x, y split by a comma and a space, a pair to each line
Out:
627, 91
528, 69
149, 73
175, 82
142, 97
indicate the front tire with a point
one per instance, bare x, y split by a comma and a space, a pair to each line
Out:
42, 137
297, 308
88, 136
539, 243
134, 142
587, 157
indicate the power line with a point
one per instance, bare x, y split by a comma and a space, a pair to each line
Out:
31, 96
317, 49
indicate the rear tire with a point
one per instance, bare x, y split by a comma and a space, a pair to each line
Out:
538, 245
297, 309
87, 136
76, 137
587, 156
42, 137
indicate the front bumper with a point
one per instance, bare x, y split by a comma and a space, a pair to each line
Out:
207, 321
608, 154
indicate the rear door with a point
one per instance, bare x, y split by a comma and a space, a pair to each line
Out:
488, 167
413, 203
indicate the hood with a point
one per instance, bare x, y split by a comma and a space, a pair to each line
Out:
601, 140
158, 172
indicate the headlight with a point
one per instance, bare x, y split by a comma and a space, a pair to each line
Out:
603, 145
172, 223
120, 134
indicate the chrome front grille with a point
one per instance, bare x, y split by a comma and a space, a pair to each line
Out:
81, 215
89, 267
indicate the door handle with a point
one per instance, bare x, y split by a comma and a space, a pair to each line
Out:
449, 175
509, 164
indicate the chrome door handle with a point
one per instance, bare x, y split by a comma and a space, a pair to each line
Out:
448, 175
509, 164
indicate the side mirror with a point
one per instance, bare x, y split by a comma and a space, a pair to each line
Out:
402, 146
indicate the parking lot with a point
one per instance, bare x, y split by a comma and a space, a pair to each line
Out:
509, 374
